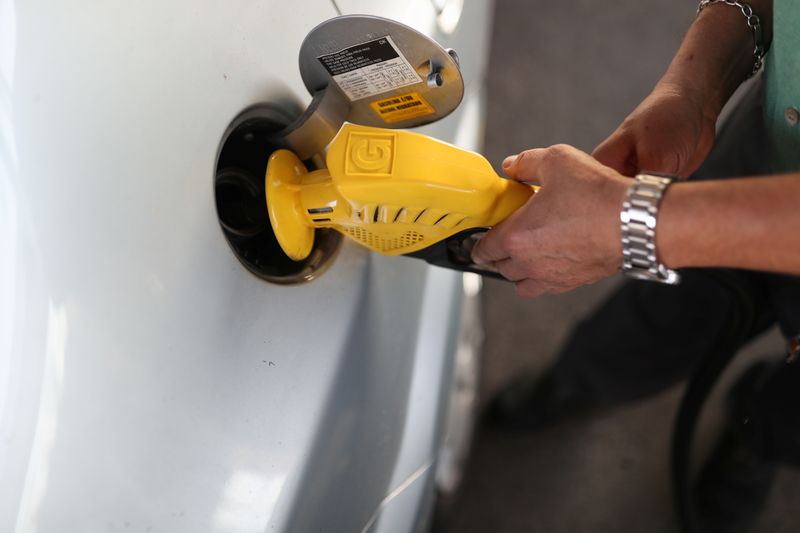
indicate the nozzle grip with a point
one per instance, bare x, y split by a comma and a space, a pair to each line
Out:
511, 197
454, 253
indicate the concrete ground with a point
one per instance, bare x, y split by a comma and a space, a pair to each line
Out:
570, 72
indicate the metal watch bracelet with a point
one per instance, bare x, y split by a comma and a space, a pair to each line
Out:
638, 220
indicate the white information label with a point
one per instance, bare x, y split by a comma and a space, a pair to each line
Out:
370, 68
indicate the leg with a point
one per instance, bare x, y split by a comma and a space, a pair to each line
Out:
647, 337
642, 339
773, 413
762, 431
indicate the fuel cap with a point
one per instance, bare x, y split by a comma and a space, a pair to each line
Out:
390, 75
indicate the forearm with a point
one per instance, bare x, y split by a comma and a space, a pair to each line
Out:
717, 53
750, 223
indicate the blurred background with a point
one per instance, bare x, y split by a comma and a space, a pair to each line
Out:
569, 72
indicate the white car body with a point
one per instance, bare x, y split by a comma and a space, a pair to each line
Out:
148, 381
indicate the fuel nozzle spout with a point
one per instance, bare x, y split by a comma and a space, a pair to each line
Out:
395, 192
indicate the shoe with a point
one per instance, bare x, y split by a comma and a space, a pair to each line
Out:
529, 404
734, 484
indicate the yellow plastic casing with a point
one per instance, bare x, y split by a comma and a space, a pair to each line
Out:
395, 192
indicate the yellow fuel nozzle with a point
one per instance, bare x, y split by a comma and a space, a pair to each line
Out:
395, 192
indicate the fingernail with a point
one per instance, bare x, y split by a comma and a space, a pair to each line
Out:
508, 161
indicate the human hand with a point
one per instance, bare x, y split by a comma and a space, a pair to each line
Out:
671, 131
568, 234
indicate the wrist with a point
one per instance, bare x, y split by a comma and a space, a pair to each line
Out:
668, 240
683, 223
705, 99
639, 225
716, 55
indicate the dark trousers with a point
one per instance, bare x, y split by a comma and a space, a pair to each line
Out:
646, 336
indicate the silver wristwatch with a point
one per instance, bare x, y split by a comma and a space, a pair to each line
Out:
638, 222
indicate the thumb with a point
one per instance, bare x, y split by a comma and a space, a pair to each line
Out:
510, 166
525, 166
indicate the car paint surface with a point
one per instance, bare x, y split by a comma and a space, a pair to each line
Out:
148, 381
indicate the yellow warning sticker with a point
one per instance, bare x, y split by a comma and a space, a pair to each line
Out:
402, 107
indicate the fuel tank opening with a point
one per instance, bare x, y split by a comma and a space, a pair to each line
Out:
241, 205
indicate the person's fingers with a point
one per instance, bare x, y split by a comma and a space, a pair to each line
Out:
529, 288
524, 166
700, 153
618, 151
536, 165
511, 269
490, 249
509, 161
